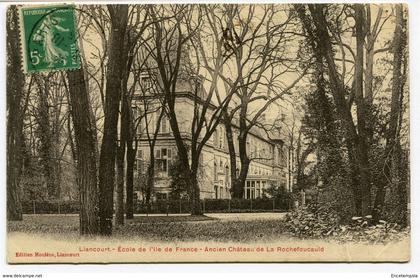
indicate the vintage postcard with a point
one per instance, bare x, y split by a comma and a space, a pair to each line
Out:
141, 133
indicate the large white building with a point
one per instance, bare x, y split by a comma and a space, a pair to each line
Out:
268, 165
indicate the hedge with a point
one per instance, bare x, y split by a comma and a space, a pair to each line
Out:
167, 206
245, 205
50, 207
217, 205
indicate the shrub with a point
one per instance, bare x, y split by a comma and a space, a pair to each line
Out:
325, 222
312, 222
50, 207
359, 230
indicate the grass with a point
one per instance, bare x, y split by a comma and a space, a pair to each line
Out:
185, 228
160, 228
172, 218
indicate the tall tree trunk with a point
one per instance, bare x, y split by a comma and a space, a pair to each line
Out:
86, 153
119, 192
124, 130
356, 147
15, 82
70, 133
131, 145
368, 74
125, 138
392, 140
401, 160
56, 146
151, 167
368, 82
363, 148
116, 64
193, 187
129, 180
150, 179
231, 147
169, 84
239, 185
46, 149
194, 190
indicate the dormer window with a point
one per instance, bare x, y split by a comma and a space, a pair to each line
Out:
147, 82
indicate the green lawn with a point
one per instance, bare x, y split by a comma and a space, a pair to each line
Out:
166, 228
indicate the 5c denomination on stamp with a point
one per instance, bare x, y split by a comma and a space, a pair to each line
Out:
48, 35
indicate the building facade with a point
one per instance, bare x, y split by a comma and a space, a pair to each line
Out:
268, 165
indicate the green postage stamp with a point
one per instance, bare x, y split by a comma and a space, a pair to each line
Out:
48, 38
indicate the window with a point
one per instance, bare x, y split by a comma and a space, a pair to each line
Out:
146, 82
216, 192
258, 189
221, 189
140, 154
225, 143
215, 169
201, 163
140, 126
141, 169
164, 125
248, 190
137, 121
161, 165
254, 189
161, 196
279, 156
215, 137
235, 139
198, 86
162, 159
221, 138
135, 112
282, 157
